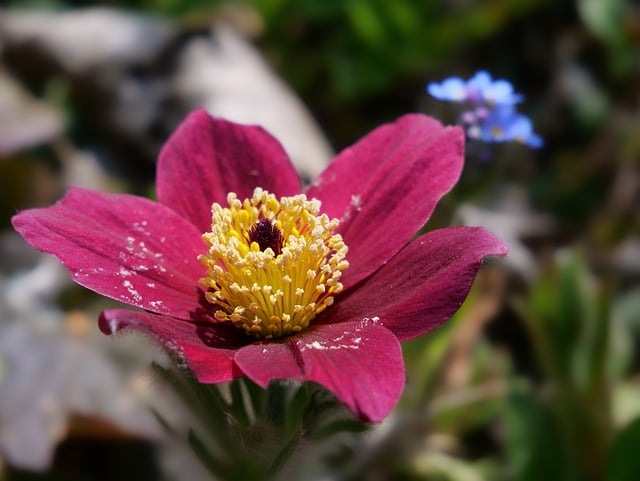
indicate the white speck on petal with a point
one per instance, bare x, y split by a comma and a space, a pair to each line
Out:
325, 346
316, 345
374, 320
124, 272
135, 294
356, 202
141, 227
156, 304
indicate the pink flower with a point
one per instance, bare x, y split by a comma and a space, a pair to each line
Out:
153, 255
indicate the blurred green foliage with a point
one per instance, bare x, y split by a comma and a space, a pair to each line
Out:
569, 323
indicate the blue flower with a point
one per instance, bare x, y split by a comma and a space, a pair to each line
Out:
492, 116
505, 124
452, 89
478, 90
482, 89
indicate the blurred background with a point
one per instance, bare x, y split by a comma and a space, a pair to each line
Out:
535, 378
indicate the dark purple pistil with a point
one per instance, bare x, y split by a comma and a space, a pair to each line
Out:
266, 234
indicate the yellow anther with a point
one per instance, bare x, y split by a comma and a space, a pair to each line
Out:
272, 265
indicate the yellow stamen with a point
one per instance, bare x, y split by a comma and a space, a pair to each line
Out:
272, 266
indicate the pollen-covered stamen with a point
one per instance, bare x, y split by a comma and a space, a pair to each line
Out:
266, 235
273, 265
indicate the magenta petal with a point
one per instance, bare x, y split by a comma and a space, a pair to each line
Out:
422, 286
206, 158
208, 348
360, 362
385, 187
122, 246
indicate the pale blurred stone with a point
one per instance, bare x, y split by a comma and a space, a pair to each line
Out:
85, 39
511, 219
50, 371
24, 121
142, 77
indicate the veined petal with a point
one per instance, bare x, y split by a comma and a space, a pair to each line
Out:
206, 158
208, 348
422, 286
124, 247
385, 187
360, 362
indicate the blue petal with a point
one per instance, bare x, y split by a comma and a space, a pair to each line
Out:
451, 89
521, 130
505, 124
501, 92
480, 81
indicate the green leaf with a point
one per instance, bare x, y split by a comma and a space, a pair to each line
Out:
296, 409
202, 399
535, 447
205, 456
237, 407
623, 462
626, 310
604, 18
365, 22
278, 401
285, 454
624, 342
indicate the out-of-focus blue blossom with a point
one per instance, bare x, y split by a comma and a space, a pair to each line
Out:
482, 89
452, 89
503, 124
479, 89
492, 116
521, 130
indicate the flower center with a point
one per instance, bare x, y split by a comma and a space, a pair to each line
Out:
266, 235
272, 265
